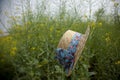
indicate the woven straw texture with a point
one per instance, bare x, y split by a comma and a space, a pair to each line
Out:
66, 39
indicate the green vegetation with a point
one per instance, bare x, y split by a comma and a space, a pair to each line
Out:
28, 52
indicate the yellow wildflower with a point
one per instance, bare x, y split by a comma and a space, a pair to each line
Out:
14, 48
33, 48
9, 38
92, 24
118, 62
13, 51
14, 42
100, 24
107, 39
58, 31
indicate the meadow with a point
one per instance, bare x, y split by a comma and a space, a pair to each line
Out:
28, 52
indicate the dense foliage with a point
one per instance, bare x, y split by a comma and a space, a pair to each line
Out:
28, 52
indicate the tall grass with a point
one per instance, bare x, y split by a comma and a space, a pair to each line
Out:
36, 40
32, 44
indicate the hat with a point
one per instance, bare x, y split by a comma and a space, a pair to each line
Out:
69, 49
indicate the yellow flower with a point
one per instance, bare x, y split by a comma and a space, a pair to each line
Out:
13, 51
100, 24
107, 39
118, 62
14, 48
58, 31
33, 48
14, 42
9, 38
93, 24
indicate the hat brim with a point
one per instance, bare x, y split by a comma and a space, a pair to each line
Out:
80, 46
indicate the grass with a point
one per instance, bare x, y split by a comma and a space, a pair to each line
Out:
29, 50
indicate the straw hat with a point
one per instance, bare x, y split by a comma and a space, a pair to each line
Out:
65, 41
